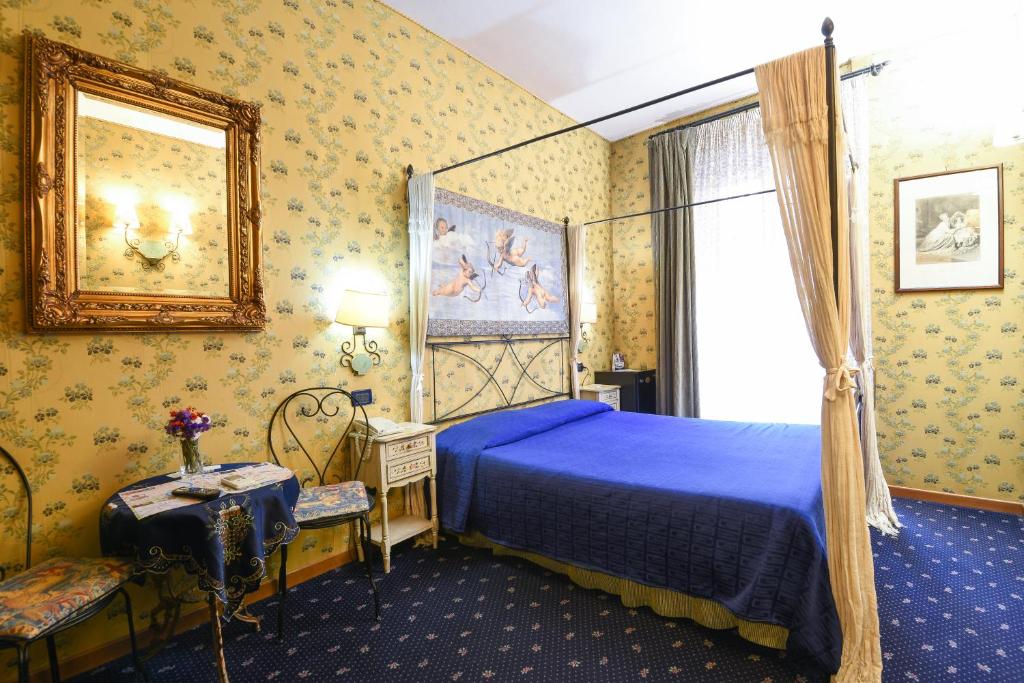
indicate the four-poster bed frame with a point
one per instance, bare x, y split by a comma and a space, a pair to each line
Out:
488, 374
498, 470
827, 28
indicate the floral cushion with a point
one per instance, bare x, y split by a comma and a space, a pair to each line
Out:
34, 600
334, 500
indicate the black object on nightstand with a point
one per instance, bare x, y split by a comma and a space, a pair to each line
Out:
636, 392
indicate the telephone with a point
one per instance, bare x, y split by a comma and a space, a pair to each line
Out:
379, 426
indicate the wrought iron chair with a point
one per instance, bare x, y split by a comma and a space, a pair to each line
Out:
324, 505
42, 600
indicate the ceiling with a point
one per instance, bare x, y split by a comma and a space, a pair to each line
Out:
587, 58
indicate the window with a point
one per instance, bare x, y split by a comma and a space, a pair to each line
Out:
754, 356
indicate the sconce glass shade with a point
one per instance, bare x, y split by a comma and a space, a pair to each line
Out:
125, 217
180, 225
363, 309
588, 312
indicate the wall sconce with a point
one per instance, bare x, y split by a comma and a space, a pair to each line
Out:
361, 310
179, 224
588, 316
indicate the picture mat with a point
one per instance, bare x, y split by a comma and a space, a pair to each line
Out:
984, 272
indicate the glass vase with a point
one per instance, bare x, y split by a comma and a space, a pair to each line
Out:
191, 458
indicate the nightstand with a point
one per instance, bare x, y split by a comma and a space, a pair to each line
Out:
605, 393
392, 461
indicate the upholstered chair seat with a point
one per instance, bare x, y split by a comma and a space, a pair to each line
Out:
49, 593
318, 503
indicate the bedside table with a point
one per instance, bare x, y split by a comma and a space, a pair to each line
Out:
605, 393
392, 461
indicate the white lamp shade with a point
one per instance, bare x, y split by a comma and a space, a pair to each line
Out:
363, 309
588, 312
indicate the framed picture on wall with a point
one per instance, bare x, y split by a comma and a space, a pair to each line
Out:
949, 230
495, 271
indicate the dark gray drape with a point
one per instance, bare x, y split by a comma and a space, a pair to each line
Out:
671, 179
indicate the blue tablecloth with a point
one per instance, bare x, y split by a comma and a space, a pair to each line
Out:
224, 543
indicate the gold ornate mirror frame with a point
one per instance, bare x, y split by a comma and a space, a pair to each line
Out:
54, 76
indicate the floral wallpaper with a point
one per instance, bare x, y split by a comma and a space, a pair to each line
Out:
950, 386
950, 391
352, 92
160, 182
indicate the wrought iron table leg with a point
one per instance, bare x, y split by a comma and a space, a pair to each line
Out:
243, 615
218, 640
282, 589
169, 607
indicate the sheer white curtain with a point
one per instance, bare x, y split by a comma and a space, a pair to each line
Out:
421, 240
745, 297
880, 511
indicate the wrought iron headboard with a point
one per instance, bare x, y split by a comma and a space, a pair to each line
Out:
524, 370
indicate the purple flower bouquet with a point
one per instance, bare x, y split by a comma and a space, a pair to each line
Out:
187, 424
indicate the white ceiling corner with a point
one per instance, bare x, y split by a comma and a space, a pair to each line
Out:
587, 58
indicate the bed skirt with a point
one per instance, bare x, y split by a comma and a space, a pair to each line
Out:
666, 602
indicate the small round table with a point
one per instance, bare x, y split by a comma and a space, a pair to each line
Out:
223, 542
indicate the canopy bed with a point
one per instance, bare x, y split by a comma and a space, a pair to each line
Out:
782, 553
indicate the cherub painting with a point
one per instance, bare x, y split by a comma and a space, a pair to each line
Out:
535, 291
466, 278
506, 251
502, 272
441, 228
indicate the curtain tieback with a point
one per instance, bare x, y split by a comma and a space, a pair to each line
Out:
838, 380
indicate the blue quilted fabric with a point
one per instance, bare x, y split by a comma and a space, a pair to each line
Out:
722, 510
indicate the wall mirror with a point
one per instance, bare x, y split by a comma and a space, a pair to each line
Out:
142, 206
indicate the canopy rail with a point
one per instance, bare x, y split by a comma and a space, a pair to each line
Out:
681, 206
584, 124
827, 28
871, 70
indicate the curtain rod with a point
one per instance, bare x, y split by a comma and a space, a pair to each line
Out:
872, 69
681, 206
599, 119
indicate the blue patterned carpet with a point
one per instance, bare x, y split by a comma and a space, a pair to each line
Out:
949, 591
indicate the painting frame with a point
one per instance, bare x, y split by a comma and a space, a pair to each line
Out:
547, 245
934, 252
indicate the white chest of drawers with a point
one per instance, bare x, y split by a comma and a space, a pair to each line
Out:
392, 461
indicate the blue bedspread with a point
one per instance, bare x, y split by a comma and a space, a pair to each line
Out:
728, 511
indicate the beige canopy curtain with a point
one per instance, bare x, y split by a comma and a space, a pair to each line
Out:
795, 119
576, 236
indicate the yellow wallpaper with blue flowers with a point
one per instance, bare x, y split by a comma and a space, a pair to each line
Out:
351, 93
949, 381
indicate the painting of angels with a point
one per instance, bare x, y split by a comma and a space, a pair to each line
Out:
495, 271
